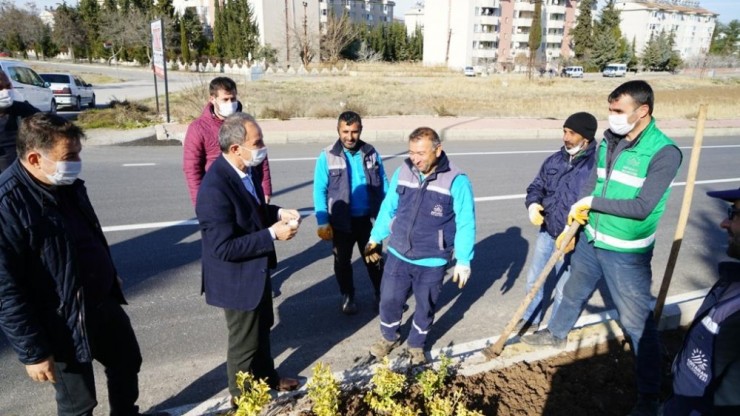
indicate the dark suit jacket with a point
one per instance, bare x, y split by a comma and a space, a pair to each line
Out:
238, 250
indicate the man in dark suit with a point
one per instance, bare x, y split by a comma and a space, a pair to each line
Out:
238, 230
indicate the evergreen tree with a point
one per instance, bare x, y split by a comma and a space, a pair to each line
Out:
219, 26
184, 45
583, 32
535, 37
608, 46
415, 46
726, 39
90, 15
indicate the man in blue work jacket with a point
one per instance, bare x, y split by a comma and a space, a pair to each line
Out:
428, 212
706, 371
349, 185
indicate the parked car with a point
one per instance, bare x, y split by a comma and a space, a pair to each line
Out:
615, 70
573, 71
28, 85
469, 71
70, 90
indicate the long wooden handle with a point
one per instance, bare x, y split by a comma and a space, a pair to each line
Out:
683, 216
495, 350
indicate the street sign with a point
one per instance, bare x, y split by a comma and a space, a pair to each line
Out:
158, 49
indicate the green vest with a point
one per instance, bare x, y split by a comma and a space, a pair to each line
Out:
624, 181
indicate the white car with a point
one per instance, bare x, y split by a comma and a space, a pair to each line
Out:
28, 85
70, 90
469, 71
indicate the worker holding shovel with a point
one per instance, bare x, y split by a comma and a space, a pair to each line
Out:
620, 208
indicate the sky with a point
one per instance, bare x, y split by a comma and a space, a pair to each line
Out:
727, 9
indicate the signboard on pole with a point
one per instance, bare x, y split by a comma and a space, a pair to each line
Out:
158, 49
158, 63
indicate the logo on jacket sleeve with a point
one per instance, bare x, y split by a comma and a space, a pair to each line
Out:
437, 211
697, 363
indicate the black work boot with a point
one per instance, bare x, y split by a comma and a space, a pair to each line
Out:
348, 305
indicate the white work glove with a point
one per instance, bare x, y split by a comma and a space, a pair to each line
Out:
461, 275
579, 210
535, 214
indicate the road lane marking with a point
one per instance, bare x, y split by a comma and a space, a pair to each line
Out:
500, 153
127, 165
307, 212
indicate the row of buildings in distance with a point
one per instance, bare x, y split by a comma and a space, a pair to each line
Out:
486, 33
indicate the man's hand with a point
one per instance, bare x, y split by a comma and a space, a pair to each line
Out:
535, 214
325, 232
267, 199
289, 214
283, 230
461, 274
42, 370
579, 210
559, 241
373, 252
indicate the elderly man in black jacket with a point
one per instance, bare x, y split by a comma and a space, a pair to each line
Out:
60, 294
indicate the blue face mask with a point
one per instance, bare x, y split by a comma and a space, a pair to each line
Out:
66, 172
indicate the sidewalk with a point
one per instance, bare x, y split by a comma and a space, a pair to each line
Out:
397, 128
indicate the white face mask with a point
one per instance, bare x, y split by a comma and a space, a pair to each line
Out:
66, 172
6, 98
619, 124
575, 149
228, 108
258, 156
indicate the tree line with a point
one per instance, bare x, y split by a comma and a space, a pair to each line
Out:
120, 30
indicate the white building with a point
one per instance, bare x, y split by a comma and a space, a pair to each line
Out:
462, 33
414, 18
693, 26
372, 12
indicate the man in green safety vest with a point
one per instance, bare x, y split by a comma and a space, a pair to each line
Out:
620, 208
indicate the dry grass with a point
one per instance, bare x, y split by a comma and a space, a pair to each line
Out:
377, 89
120, 115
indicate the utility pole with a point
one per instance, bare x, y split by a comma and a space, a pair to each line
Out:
287, 35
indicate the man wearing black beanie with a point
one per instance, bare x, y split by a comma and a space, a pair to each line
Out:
549, 197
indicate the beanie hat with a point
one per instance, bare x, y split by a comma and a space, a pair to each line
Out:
582, 123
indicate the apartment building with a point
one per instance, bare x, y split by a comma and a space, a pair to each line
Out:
492, 33
414, 18
371, 12
691, 24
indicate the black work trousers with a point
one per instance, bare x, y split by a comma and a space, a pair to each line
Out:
249, 343
343, 243
113, 344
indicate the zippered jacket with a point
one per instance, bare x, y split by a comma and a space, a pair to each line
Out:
42, 307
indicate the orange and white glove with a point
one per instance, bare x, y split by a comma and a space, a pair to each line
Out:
579, 211
535, 214
325, 232
461, 274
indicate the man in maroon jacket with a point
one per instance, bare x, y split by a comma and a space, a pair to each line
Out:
201, 140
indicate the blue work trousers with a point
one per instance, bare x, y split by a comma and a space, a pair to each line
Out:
400, 280
543, 249
628, 277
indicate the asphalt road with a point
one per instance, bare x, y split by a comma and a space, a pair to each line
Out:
139, 191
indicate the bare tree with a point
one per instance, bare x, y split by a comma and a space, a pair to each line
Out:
121, 30
338, 33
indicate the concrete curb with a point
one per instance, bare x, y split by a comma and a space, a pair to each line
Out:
589, 331
174, 131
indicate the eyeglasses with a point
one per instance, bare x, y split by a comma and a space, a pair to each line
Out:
731, 212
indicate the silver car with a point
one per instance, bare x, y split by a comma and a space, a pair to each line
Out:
70, 90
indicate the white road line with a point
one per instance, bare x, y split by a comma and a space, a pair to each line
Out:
513, 152
306, 213
128, 165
